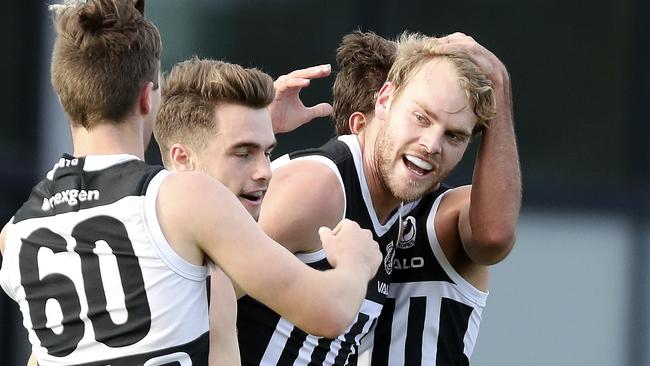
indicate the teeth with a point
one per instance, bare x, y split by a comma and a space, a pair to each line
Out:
419, 162
257, 194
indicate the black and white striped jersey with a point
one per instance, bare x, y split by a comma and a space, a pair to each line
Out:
95, 279
267, 339
432, 315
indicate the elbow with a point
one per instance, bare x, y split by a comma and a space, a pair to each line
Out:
331, 322
333, 330
493, 246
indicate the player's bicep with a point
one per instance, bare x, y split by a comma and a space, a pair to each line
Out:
452, 219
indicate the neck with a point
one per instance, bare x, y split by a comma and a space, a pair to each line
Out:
383, 201
108, 138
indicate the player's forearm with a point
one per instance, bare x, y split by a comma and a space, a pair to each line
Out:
334, 302
496, 187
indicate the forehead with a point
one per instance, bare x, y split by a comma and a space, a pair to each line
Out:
436, 85
236, 124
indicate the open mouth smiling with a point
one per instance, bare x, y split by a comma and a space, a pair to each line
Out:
417, 165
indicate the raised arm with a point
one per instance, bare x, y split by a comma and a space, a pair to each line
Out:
195, 210
488, 215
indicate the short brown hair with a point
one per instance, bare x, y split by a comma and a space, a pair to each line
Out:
192, 90
364, 59
414, 49
104, 52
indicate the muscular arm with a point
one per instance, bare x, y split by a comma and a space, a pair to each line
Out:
194, 209
488, 223
302, 196
488, 215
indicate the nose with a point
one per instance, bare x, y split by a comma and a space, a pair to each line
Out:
262, 169
431, 140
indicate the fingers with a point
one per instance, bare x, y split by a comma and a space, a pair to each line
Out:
285, 82
297, 78
313, 72
320, 110
457, 42
325, 232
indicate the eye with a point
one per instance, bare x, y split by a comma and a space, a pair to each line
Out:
268, 155
456, 137
421, 119
242, 154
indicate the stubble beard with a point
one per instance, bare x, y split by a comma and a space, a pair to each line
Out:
386, 158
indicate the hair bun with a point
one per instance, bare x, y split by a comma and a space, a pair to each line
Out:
93, 19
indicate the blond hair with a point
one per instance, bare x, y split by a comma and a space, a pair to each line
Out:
415, 49
192, 90
103, 54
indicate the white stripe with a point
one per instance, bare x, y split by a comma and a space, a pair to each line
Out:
355, 148
475, 295
283, 330
398, 331
158, 241
312, 257
473, 327
434, 291
100, 162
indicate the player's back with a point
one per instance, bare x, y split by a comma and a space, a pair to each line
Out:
95, 279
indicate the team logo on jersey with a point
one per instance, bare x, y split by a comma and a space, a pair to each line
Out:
407, 239
390, 256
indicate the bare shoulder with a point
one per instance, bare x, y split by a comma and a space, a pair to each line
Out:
303, 195
186, 203
312, 181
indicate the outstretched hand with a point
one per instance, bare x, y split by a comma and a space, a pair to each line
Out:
287, 110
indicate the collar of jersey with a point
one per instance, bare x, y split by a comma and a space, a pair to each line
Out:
99, 162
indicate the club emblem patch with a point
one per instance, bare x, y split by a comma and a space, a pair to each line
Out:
409, 231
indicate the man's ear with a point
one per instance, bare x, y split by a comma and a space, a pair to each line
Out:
180, 158
146, 98
357, 122
384, 99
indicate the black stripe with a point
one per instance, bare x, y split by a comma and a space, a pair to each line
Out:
454, 319
255, 326
292, 347
320, 352
414, 331
383, 334
130, 178
346, 347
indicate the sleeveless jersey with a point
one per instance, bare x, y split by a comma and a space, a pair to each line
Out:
265, 338
95, 279
432, 315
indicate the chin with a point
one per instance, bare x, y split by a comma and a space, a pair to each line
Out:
410, 191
